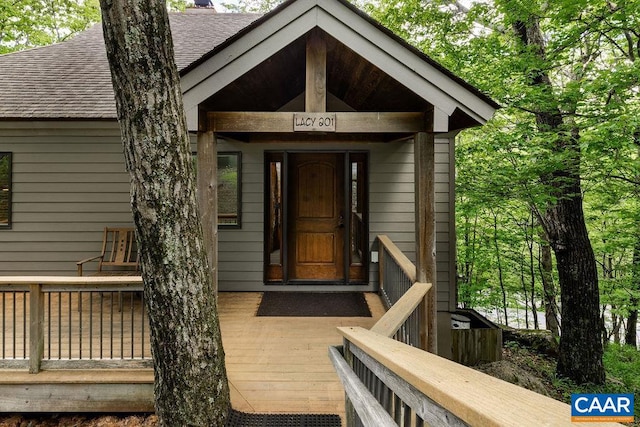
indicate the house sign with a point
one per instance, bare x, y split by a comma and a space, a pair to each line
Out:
314, 122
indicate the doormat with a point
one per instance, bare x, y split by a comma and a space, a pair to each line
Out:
314, 304
242, 419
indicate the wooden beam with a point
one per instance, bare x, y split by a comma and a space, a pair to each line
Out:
36, 328
424, 160
72, 397
345, 122
423, 406
315, 100
208, 198
397, 315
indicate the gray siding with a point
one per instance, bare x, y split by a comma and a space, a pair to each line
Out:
69, 182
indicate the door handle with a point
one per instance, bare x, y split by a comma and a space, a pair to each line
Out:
341, 221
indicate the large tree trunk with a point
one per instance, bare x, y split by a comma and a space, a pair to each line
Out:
191, 386
581, 351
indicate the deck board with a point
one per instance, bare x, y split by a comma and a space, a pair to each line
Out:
274, 364
281, 364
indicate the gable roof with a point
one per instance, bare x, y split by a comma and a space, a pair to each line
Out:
456, 104
388, 33
71, 80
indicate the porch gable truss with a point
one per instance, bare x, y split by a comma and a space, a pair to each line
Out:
431, 89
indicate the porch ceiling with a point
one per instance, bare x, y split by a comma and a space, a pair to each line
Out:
275, 84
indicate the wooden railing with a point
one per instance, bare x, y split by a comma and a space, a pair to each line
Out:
373, 397
73, 322
388, 382
397, 274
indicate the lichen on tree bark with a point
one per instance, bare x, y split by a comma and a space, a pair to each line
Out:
191, 385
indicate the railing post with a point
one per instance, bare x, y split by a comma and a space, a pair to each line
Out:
349, 410
36, 328
381, 256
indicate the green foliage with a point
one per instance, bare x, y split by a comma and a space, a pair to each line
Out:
622, 364
252, 6
505, 170
28, 23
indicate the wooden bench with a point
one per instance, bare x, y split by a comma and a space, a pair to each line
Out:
119, 256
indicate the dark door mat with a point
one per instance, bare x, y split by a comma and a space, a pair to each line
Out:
241, 419
314, 304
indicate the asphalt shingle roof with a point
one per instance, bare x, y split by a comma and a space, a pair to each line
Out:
71, 80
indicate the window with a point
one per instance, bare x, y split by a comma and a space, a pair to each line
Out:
274, 202
5, 190
229, 190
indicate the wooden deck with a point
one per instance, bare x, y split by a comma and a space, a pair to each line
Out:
281, 364
274, 364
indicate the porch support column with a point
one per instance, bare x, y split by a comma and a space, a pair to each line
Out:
426, 230
208, 198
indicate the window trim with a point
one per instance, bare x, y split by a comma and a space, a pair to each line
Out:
8, 154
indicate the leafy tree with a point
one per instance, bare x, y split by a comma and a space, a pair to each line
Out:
191, 387
28, 23
567, 74
252, 6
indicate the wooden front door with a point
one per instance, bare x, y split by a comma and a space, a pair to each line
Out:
316, 217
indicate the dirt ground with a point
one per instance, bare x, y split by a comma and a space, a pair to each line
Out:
77, 420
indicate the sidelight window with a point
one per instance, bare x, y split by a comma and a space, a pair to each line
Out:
358, 241
274, 217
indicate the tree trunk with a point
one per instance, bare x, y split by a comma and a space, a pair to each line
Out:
630, 336
581, 351
549, 289
191, 386
529, 240
616, 322
500, 278
523, 283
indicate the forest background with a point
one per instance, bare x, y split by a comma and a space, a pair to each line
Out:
588, 73
591, 64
